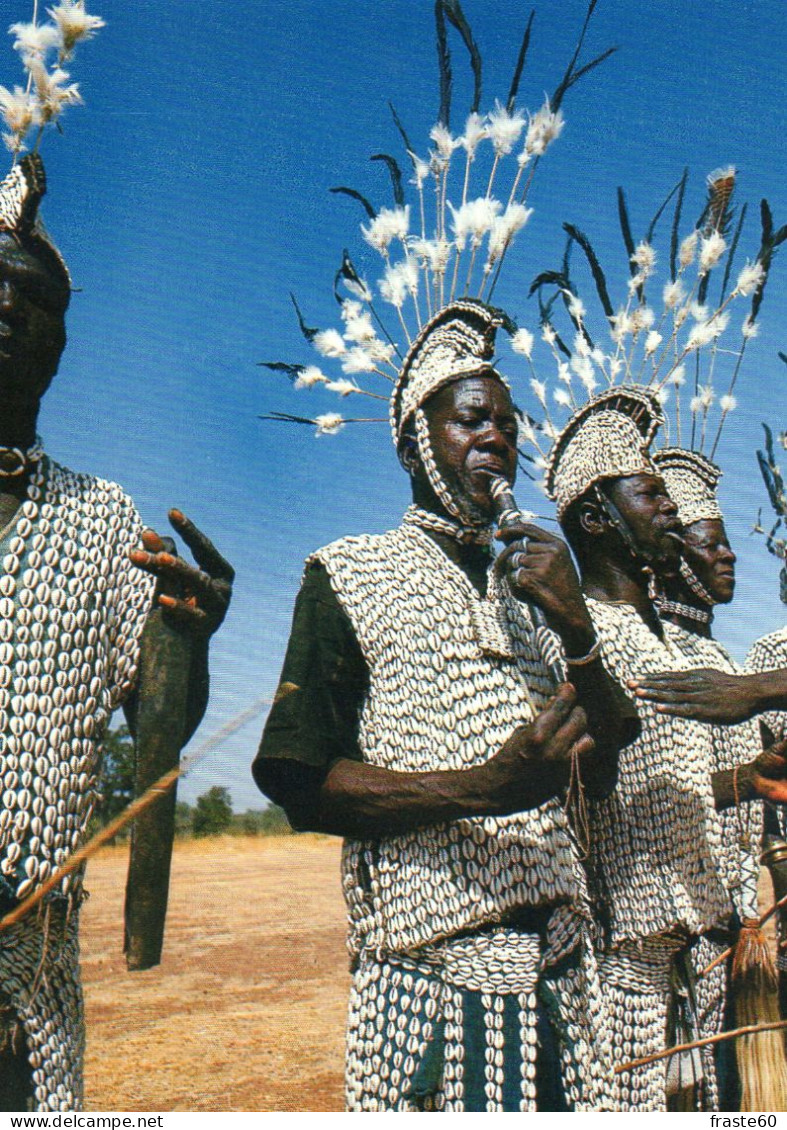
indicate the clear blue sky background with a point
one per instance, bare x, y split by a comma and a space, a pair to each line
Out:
190, 197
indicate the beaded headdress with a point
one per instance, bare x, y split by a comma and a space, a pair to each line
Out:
20, 194
442, 256
692, 481
608, 438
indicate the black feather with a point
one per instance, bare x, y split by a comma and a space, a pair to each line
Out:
307, 331
660, 209
400, 127
370, 211
290, 371
455, 14
444, 63
595, 267
520, 63
733, 248
674, 236
396, 176
287, 418
348, 273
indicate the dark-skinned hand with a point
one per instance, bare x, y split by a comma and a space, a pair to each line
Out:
539, 570
195, 596
770, 773
552, 738
706, 695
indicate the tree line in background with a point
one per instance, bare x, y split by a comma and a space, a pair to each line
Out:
212, 814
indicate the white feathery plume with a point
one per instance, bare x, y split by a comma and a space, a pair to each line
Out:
504, 129
540, 391
329, 423
329, 343
52, 92
444, 142
19, 110
389, 224
34, 41
503, 230
421, 169
688, 249
310, 377
359, 288
673, 294
644, 259
750, 278
399, 281
474, 219
749, 327
712, 247
73, 23
343, 387
728, 403
357, 360
576, 307
475, 132
522, 342
358, 324
702, 333
642, 318
678, 376
543, 128
652, 342
562, 397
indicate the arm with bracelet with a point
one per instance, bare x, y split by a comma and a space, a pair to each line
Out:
540, 572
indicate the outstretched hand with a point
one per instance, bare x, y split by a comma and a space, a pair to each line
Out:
706, 695
196, 596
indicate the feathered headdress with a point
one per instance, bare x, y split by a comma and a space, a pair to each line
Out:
441, 250
773, 478
43, 48
677, 350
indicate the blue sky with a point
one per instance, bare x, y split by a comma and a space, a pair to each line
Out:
190, 196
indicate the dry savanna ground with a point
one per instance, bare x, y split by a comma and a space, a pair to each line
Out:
247, 1010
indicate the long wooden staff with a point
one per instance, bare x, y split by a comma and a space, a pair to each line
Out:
732, 1034
159, 787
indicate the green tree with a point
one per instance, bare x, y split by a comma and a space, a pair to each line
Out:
270, 821
116, 779
213, 812
184, 819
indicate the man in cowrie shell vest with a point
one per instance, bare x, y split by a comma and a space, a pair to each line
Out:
417, 716
83, 630
661, 859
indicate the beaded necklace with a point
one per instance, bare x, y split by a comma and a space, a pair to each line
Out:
686, 610
417, 516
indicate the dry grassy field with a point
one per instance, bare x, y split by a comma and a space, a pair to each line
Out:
246, 1011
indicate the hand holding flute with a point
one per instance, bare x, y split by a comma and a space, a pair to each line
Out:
540, 571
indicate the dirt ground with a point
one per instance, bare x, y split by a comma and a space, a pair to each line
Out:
247, 1010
